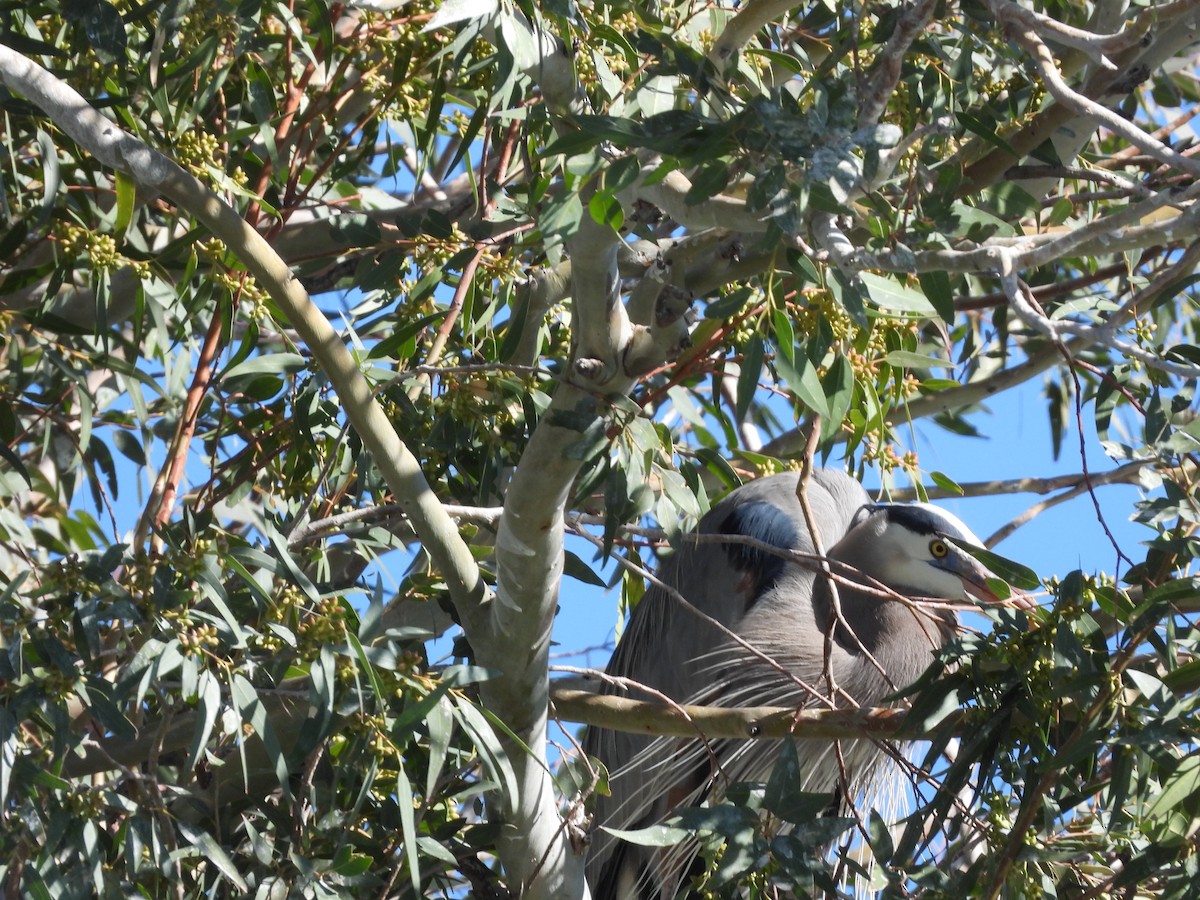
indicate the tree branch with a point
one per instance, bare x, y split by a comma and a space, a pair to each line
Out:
670, 195
878, 87
1020, 27
747, 722
1173, 26
738, 31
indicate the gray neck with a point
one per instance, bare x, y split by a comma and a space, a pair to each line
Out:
900, 636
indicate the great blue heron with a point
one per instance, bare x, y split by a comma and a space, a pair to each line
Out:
781, 612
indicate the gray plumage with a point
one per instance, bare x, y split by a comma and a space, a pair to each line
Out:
783, 609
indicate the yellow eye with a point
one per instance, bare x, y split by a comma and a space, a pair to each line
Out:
938, 549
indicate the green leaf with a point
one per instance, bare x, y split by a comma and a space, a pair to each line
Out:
214, 852
13, 460
851, 293
1014, 573
440, 723
748, 376
936, 286
349, 864
976, 224
652, 836
707, 181
978, 126
561, 216
576, 568
126, 190
128, 445
622, 173
803, 381
491, 750
1058, 407
408, 826
933, 705
209, 692
887, 293
783, 795
254, 713
946, 483
781, 324
267, 363
605, 209
904, 359
214, 590
1182, 784
294, 573
838, 386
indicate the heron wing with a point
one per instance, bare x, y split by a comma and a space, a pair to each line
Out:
669, 645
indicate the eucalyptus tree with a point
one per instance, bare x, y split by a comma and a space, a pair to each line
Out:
326, 322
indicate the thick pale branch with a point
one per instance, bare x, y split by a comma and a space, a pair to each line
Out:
602, 328
749, 722
512, 634
513, 637
1094, 45
740, 30
545, 288
670, 195
1022, 303
1119, 232
878, 87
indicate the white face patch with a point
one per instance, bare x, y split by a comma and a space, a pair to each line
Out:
896, 545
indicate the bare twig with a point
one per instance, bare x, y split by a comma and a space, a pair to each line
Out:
162, 496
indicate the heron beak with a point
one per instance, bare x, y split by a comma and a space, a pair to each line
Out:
975, 580
1016, 597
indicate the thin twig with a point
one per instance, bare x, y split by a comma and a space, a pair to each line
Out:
162, 497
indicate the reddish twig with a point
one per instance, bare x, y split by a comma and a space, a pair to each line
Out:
166, 487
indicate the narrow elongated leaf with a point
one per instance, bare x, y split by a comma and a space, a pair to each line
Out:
652, 836
254, 713
907, 360
408, 826
936, 286
1179, 786
751, 371
495, 760
440, 722
803, 381
126, 191
209, 693
204, 842
839, 392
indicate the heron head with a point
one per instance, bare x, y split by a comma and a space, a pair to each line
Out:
914, 549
